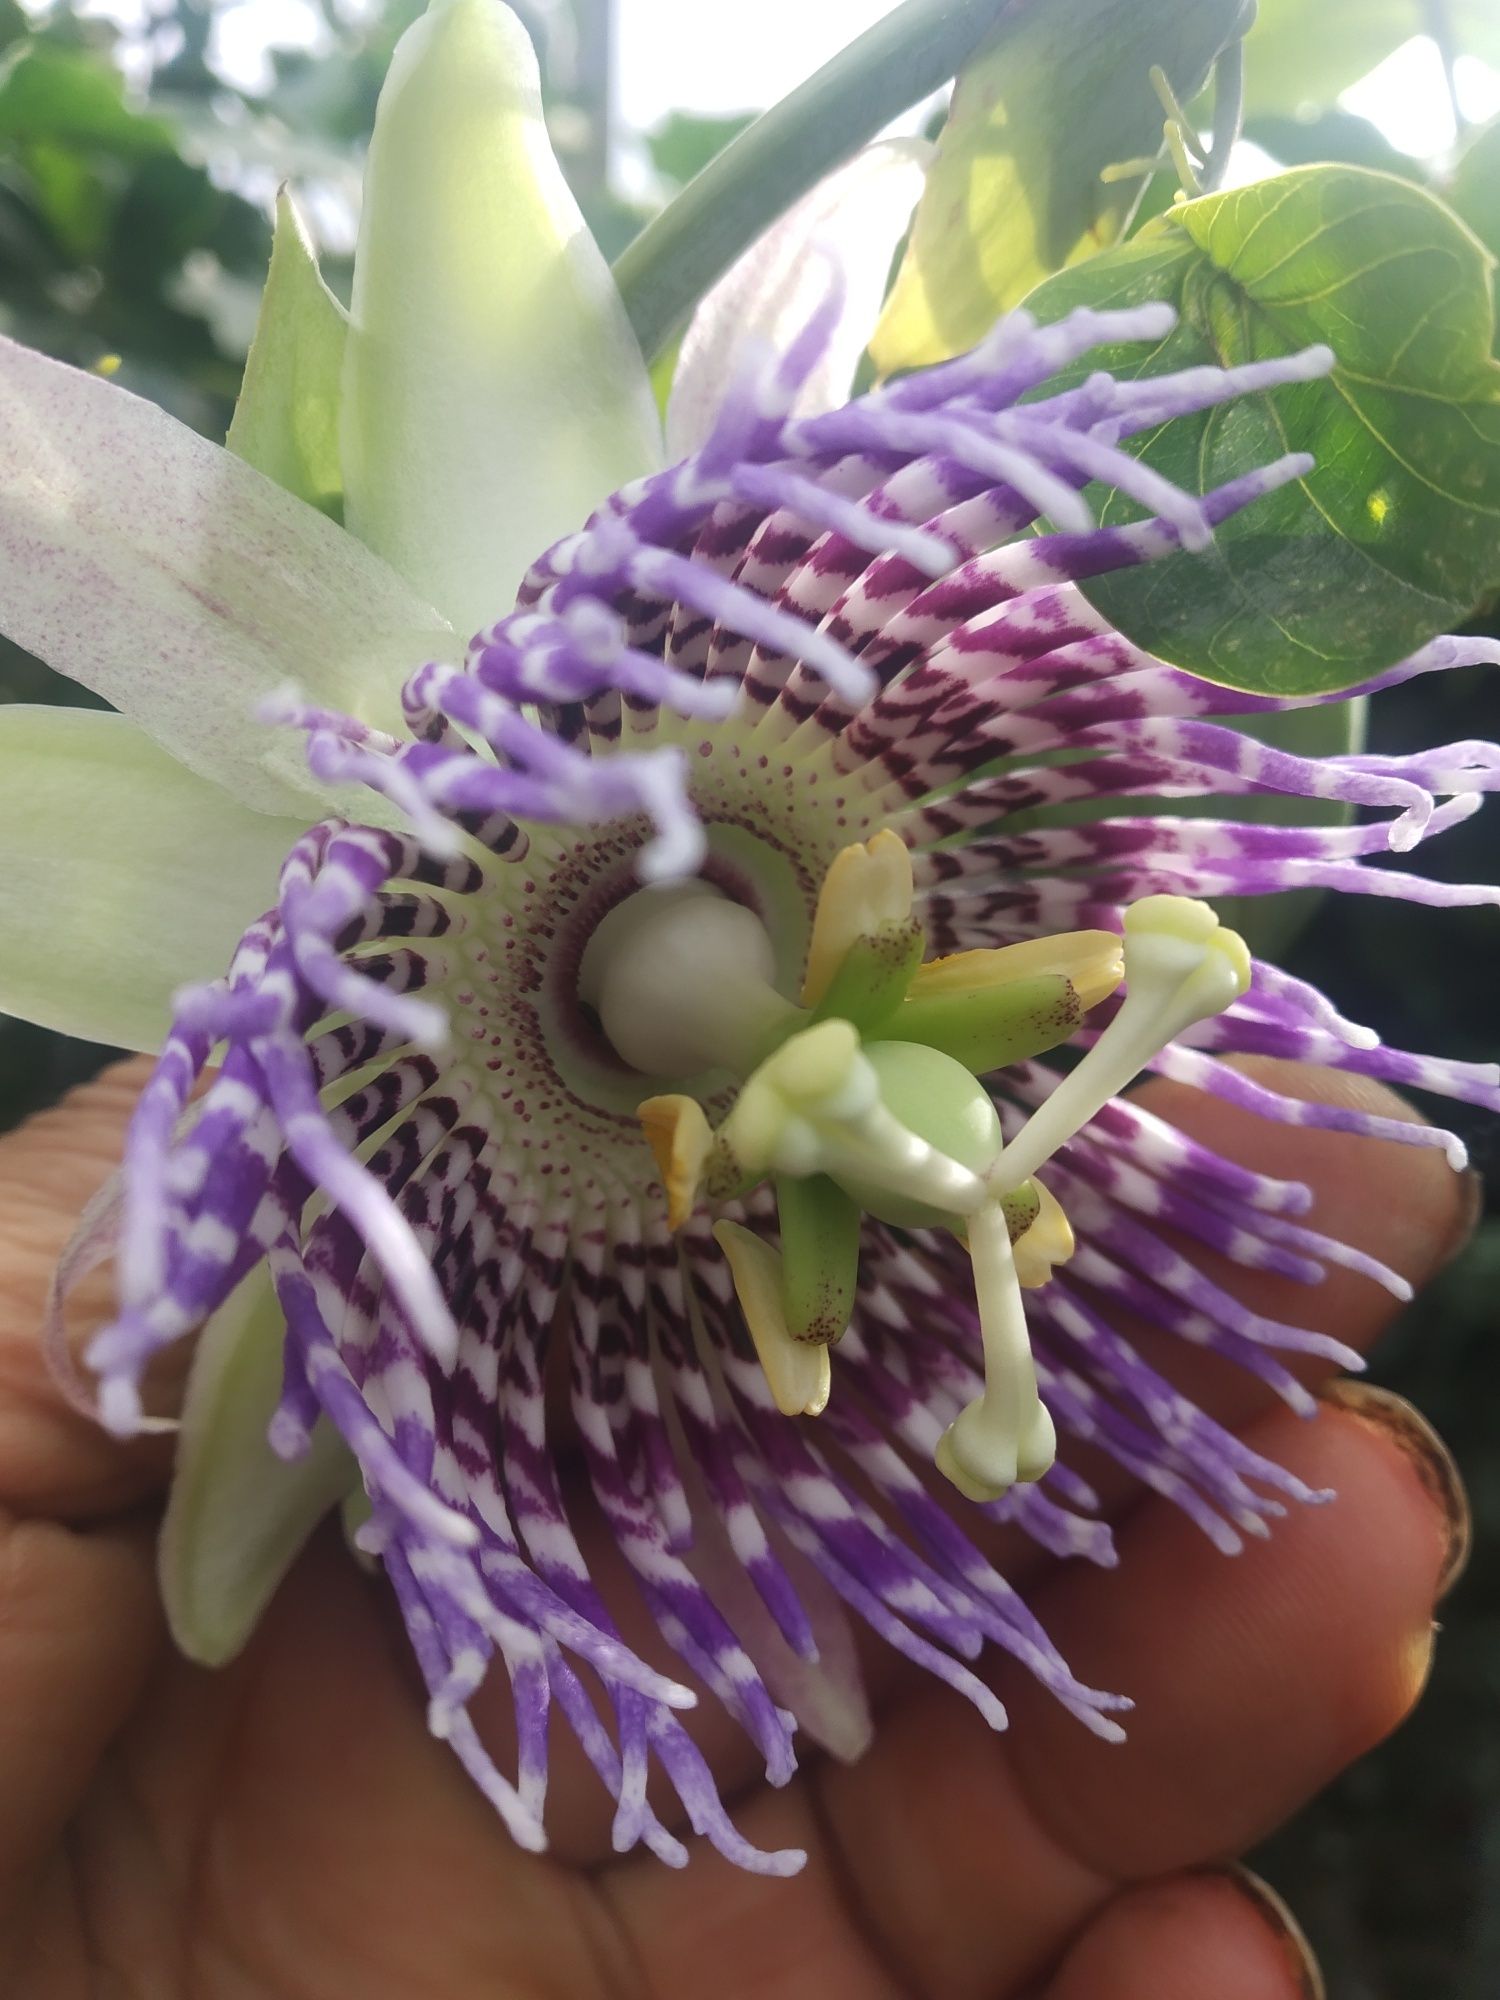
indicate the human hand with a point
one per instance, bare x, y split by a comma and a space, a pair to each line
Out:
285, 1829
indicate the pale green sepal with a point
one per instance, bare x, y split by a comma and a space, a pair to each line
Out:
286, 421
494, 393
186, 588
122, 875
238, 1516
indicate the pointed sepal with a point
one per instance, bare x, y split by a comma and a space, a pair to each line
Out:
286, 420
494, 393
238, 1515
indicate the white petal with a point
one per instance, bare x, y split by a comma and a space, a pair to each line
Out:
851, 222
122, 875
183, 586
494, 393
238, 1515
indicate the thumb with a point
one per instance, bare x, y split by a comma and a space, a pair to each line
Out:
79, 1624
53, 1459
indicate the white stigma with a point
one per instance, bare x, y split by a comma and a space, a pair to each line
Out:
1181, 966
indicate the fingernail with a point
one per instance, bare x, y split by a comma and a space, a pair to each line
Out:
1434, 1463
1470, 1210
1289, 1934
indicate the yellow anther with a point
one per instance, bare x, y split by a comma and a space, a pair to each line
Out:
1046, 1244
680, 1140
1092, 962
868, 886
798, 1372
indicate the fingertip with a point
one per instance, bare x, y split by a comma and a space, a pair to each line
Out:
54, 1459
79, 1629
1255, 1680
1223, 1932
1436, 1469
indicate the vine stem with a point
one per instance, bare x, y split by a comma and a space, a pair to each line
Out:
895, 64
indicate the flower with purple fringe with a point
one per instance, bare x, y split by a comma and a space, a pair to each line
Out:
817, 637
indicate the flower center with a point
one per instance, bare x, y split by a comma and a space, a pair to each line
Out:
863, 1099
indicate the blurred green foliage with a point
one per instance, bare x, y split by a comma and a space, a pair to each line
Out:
135, 222
103, 216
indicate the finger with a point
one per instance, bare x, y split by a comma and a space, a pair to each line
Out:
79, 1628
307, 1824
1255, 1680
54, 1459
713, 1929
1401, 1204
975, 1857
1223, 1933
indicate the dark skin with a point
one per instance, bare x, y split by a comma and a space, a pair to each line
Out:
285, 1829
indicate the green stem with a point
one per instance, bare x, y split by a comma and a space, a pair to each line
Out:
895, 64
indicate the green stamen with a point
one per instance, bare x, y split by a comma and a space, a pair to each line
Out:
820, 1226
991, 1027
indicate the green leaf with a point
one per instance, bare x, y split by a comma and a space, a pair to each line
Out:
71, 198
286, 421
1333, 134
1474, 191
898, 62
1015, 190
1306, 51
1395, 535
74, 99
